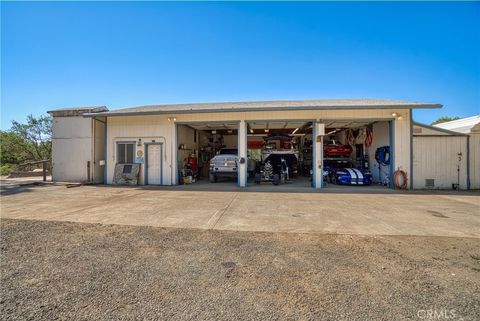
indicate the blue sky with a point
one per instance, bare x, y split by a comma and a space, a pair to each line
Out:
127, 54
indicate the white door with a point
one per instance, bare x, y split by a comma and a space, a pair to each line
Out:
439, 161
154, 164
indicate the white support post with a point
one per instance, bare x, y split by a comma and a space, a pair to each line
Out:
174, 150
319, 131
242, 154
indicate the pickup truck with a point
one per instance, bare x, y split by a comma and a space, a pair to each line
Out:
224, 164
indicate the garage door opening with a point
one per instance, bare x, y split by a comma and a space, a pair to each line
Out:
207, 154
279, 154
358, 154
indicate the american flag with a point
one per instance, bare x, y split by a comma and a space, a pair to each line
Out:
369, 138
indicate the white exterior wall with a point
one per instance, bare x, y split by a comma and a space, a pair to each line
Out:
436, 157
99, 151
146, 128
71, 148
475, 160
125, 128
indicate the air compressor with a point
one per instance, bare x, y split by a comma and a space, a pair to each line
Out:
192, 161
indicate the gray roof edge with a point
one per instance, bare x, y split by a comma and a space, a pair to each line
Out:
77, 111
438, 129
240, 109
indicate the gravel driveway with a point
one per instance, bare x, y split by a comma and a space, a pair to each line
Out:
75, 271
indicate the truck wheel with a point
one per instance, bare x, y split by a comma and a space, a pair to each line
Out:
258, 178
275, 179
212, 178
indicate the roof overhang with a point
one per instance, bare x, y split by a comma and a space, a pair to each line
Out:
293, 105
77, 111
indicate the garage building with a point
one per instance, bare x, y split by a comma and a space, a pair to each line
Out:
177, 144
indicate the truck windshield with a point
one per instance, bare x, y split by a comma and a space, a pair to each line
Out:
229, 151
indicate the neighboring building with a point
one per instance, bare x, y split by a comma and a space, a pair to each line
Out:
463, 125
90, 143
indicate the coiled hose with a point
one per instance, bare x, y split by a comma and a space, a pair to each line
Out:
382, 155
400, 175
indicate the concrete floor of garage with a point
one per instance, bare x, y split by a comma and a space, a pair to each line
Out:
297, 185
340, 211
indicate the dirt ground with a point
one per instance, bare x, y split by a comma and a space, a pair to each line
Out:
76, 271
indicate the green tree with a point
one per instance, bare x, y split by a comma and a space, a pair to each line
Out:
37, 136
444, 119
14, 149
31, 141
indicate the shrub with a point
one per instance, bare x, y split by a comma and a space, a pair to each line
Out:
6, 169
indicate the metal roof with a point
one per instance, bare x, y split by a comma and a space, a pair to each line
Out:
265, 106
463, 125
77, 111
441, 130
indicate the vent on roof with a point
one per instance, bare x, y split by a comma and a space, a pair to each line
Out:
429, 182
417, 130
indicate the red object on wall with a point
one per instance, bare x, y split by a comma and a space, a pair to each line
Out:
337, 150
255, 144
192, 161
